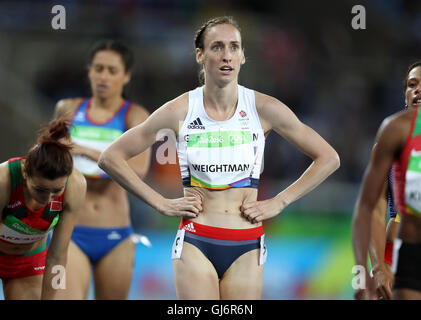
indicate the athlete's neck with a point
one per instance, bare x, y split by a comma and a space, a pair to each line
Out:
111, 104
221, 101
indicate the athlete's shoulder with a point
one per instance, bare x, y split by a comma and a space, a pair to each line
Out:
170, 114
176, 108
401, 117
5, 185
75, 193
399, 122
272, 112
4, 172
138, 108
265, 101
68, 106
136, 114
178, 104
77, 178
395, 129
76, 187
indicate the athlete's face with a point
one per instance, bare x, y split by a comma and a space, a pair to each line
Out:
413, 88
222, 54
107, 74
44, 190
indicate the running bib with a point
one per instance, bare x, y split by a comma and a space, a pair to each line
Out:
263, 251
15, 231
220, 156
413, 183
396, 246
96, 138
225, 154
177, 246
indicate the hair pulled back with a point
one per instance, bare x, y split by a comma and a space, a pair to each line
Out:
50, 157
199, 38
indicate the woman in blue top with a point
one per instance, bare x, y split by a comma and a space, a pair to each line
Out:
103, 233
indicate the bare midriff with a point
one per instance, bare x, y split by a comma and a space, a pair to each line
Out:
20, 249
222, 208
410, 229
106, 205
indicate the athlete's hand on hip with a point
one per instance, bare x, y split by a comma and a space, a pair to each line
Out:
188, 207
258, 211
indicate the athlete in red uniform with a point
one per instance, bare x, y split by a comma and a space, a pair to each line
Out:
398, 143
382, 238
38, 193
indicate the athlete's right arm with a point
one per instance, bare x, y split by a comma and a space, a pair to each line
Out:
391, 139
4, 187
113, 160
66, 107
383, 278
74, 198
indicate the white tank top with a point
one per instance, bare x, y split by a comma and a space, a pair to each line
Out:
221, 154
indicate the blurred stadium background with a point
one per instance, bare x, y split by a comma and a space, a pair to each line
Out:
340, 81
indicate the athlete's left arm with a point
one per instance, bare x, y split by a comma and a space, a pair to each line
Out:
140, 163
274, 115
55, 266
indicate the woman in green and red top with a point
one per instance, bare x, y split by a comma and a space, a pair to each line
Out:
398, 144
38, 193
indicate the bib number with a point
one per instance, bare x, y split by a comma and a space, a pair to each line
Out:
177, 246
263, 251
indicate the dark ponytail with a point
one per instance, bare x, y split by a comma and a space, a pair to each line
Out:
50, 157
117, 46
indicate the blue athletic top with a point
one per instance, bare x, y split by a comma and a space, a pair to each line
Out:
96, 135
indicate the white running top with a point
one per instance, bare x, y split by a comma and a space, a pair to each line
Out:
221, 154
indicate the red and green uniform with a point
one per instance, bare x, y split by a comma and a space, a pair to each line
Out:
21, 225
407, 175
407, 255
